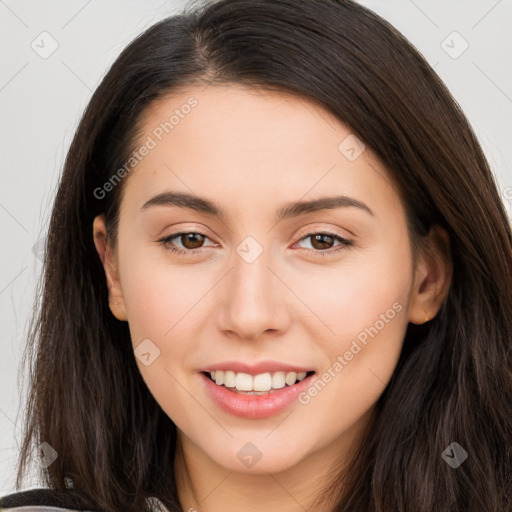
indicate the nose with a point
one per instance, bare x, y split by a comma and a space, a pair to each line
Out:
252, 299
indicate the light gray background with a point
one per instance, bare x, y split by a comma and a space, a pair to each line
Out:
41, 101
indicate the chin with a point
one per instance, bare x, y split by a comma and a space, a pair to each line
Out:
255, 457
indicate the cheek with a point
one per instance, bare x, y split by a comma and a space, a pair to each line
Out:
160, 306
362, 305
364, 336
351, 294
159, 296
359, 363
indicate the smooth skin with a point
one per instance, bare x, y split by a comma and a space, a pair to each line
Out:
299, 301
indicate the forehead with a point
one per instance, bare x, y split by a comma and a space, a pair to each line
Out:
242, 146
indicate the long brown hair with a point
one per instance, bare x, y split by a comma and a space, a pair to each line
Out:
453, 382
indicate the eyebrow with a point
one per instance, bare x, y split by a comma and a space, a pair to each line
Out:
289, 210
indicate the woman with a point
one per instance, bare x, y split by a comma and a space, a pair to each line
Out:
278, 277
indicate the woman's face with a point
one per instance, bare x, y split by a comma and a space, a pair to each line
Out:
267, 286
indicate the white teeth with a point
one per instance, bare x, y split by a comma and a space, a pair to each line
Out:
260, 383
243, 382
219, 378
230, 379
290, 378
278, 381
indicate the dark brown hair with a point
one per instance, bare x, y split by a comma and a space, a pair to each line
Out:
453, 381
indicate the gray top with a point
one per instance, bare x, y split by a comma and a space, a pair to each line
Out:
41, 508
47, 500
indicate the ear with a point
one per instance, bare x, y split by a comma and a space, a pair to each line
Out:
109, 261
433, 276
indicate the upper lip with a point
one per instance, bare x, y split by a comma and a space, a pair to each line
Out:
257, 368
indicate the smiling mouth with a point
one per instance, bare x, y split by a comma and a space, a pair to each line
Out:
261, 384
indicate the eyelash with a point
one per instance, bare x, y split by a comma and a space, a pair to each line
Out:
344, 243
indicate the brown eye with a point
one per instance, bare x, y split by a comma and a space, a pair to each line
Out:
322, 241
323, 244
185, 243
192, 240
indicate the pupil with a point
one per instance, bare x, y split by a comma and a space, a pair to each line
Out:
323, 237
189, 238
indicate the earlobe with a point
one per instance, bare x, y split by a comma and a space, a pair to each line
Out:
433, 277
108, 260
116, 303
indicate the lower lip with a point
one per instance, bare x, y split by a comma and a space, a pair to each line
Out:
255, 406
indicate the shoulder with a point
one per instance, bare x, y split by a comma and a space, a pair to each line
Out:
45, 500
